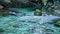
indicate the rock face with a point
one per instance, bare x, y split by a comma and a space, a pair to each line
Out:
53, 10
14, 3
19, 3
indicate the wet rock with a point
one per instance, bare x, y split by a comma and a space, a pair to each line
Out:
12, 12
38, 12
1, 6
16, 13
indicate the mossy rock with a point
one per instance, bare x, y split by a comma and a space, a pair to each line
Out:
2, 12
38, 12
57, 23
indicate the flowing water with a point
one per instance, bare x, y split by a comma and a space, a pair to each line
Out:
26, 23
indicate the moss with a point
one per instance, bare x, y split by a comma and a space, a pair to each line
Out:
57, 23
38, 12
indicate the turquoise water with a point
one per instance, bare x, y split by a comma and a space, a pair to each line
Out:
26, 23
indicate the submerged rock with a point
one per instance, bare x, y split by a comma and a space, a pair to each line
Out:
49, 31
1, 30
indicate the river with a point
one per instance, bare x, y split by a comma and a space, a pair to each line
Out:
26, 23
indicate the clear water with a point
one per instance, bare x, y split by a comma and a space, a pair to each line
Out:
27, 23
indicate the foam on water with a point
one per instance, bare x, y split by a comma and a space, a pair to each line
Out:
40, 19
